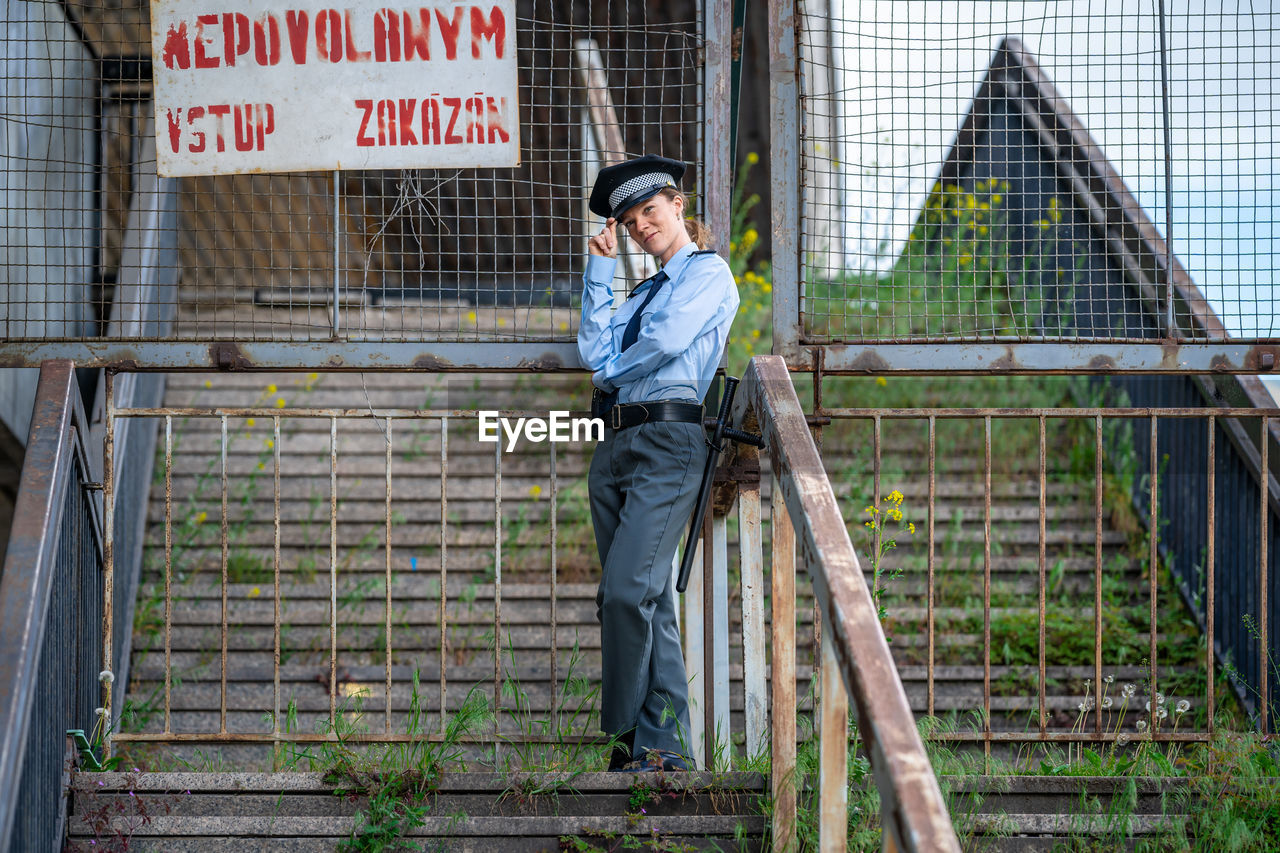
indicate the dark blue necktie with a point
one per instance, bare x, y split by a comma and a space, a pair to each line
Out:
632, 333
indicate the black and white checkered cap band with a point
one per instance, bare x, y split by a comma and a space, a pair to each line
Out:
629, 188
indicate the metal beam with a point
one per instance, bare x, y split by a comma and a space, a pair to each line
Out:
1046, 358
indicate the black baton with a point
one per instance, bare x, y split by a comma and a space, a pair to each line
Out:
721, 431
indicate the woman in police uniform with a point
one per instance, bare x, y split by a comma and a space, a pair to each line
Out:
652, 362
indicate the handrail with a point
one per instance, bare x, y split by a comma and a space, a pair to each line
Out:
39, 697
913, 814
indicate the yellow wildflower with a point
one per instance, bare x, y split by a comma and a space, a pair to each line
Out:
749, 238
250, 422
471, 316
895, 497
753, 158
270, 444
911, 528
200, 519
895, 514
535, 490
279, 402
271, 389
881, 381
255, 592
755, 333
997, 198
767, 287
208, 383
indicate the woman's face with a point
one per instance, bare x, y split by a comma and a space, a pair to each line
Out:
657, 225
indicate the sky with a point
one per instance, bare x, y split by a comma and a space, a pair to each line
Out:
911, 68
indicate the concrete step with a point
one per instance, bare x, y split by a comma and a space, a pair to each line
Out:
201, 812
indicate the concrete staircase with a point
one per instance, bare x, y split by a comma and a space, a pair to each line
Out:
469, 808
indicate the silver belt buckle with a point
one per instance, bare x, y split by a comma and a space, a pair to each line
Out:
615, 417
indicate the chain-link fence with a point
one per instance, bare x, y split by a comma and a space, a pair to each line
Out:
1035, 172
472, 255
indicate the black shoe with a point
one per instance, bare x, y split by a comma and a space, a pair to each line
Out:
621, 756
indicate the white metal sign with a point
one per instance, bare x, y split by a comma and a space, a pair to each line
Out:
294, 85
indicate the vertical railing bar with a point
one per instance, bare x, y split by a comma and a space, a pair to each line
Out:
387, 552
333, 568
108, 553
555, 626
225, 524
497, 588
1040, 563
755, 702
335, 313
709, 643
1171, 326
1209, 579
930, 604
275, 521
833, 741
986, 588
876, 451
1097, 559
168, 573
444, 564
1152, 540
1264, 655
783, 582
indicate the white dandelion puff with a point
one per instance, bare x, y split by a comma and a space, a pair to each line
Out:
106, 676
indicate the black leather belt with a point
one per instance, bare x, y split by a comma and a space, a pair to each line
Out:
634, 414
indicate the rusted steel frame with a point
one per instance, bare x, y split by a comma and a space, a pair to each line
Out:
497, 585
1018, 357
1152, 565
275, 566
1040, 565
1264, 512
191, 356
715, 643
715, 101
224, 527
555, 618
387, 553
1071, 737
442, 617
316, 412
750, 549
30, 564
785, 181
912, 808
930, 603
1076, 412
1210, 555
986, 584
833, 759
876, 452
1097, 561
168, 574
782, 577
330, 737
108, 548
333, 572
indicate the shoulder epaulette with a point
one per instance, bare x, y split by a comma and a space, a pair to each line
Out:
703, 252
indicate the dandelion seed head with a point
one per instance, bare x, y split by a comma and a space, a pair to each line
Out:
1142, 725
1106, 701
101, 712
1159, 698
106, 676
1161, 713
1122, 740
1183, 706
1128, 690
1109, 679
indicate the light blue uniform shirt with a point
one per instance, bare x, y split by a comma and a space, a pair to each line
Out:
682, 334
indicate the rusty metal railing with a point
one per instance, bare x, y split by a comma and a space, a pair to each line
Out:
806, 513
310, 567
51, 598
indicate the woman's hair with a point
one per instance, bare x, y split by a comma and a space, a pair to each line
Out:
698, 233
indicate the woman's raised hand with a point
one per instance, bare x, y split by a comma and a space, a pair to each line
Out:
606, 242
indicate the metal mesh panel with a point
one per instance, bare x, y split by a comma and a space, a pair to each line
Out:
470, 255
1008, 171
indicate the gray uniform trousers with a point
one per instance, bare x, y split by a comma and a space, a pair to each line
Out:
643, 484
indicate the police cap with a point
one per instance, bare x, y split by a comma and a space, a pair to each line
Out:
624, 185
